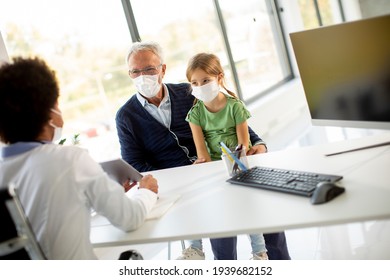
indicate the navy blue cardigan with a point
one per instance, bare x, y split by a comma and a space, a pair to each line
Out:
147, 144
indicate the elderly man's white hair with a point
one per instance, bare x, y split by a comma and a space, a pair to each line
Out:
145, 46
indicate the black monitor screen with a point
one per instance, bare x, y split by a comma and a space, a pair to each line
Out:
345, 72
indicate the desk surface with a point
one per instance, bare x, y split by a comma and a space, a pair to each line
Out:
210, 207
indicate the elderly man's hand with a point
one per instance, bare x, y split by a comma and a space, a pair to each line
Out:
200, 160
258, 149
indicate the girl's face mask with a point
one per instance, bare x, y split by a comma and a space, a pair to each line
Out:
207, 92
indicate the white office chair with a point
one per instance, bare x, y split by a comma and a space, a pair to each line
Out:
17, 240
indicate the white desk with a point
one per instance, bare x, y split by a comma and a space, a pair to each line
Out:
210, 207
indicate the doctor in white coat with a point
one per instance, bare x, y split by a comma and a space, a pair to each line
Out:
58, 185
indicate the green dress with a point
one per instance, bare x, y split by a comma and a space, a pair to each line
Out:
219, 126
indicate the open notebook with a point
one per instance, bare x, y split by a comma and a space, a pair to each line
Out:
163, 204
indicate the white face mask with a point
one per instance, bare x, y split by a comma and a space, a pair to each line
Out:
57, 130
148, 85
207, 92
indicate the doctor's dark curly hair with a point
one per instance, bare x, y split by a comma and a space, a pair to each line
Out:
28, 90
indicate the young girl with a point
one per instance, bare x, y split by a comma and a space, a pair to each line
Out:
217, 117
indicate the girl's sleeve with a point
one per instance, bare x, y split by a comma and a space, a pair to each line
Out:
241, 113
193, 115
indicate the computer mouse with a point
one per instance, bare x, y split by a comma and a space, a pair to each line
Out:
325, 191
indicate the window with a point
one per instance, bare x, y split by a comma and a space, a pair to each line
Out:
85, 42
317, 13
181, 34
255, 41
244, 35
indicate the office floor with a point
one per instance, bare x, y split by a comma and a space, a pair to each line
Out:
355, 241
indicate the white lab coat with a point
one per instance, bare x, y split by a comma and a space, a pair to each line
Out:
58, 187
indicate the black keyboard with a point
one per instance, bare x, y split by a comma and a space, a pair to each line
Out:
283, 180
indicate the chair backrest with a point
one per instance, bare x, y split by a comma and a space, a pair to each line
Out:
17, 240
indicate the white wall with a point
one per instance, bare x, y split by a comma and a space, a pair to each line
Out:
281, 117
370, 8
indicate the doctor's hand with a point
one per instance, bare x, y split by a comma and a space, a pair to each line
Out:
148, 182
128, 184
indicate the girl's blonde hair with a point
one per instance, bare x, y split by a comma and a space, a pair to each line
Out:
210, 64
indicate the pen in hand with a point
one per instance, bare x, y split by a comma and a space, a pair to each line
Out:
128, 185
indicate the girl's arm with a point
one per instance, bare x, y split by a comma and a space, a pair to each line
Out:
200, 144
242, 134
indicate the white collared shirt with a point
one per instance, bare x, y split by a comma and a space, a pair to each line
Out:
162, 113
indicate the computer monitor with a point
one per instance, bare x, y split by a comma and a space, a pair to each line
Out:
345, 72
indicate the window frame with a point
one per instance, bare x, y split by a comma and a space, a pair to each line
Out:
276, 25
